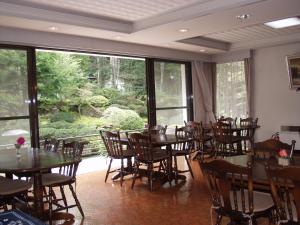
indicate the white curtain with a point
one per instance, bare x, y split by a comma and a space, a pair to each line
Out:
247, 63
231, 93
202, 92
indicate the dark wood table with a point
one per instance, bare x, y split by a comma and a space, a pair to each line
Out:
33, 161
259, 172
167, 140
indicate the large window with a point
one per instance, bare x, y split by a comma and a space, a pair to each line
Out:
64, 94
14, 110
79, 92
231, 98
171, 93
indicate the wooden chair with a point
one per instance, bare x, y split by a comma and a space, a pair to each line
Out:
115, 150
270, 147
145, 154
13, 190
51, 144
231, 192
181, 148
157, 129
201, 138
285, 189
65, 177
226, 143
247, 134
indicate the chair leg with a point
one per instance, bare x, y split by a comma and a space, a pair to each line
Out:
219, 220
150, 177
50, 205
136, 170
108, 170
63, 196
76, 200
122, 171
189, 166
176, 169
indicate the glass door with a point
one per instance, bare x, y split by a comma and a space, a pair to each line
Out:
172, 93
14, 110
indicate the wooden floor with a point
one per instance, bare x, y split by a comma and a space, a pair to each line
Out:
108, 203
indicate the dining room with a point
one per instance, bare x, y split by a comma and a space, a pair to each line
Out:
128, 113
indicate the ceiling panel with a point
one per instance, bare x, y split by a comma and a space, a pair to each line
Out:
129, 10
255, 32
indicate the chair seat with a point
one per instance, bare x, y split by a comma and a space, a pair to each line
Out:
10, 187
52, 179
157, 156
261, 201
180, 152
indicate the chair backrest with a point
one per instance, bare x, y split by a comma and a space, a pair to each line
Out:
270, 147
112, 143
285, 189
157, 129
229, 183
141, 146
195, 128
51, 144
182, 134
72, 149
222, 131
249, 123
228, 120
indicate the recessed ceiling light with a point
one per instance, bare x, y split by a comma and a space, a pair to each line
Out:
183, 30
243, 16
202, 50
288, 22
53, 28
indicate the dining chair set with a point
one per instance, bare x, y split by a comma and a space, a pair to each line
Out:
235, 193
154, 150
13, 191
232, 138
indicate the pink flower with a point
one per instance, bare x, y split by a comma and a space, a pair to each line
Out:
21, 141
283, 153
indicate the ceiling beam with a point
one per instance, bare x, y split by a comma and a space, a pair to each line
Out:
64, 18
207, 42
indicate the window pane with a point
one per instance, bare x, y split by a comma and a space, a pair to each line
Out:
171, 117
231, 90
170, 84
78, 93
13, 83
10, 130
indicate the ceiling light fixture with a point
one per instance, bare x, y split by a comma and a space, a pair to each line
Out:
53, 28
288, 22
202, 50
243, 17
183, 30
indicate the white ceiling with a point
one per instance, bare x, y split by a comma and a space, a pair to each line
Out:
212, 24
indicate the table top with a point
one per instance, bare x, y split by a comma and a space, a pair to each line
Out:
259, 172
234, 127
32, 160
163, 139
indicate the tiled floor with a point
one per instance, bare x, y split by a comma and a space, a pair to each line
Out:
110, 204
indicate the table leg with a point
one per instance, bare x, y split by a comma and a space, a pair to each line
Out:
38, 195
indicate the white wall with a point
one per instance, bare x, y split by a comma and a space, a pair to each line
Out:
274, 103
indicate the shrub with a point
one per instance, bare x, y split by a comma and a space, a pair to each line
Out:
98, 101
63, 116
121, 118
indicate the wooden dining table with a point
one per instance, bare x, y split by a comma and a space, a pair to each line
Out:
259, 174
34, 162
164, 140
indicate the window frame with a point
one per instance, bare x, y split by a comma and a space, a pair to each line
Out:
149, 76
